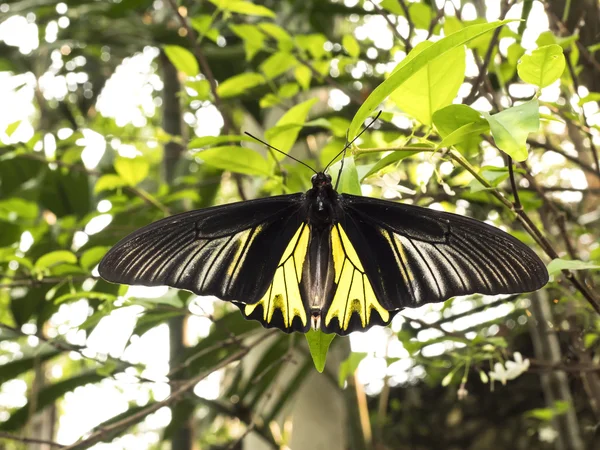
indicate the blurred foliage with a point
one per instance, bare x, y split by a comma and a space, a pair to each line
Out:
306, 75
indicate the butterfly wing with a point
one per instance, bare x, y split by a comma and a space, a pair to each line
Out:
406, 256
230, 251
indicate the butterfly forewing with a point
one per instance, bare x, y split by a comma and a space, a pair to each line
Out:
415, 255
229, 251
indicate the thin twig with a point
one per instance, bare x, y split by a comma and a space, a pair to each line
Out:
544, 365
547, 146
560, 216
385, 15
78, 167
26, 440
589, 57
204, 66
411, 25
438, 327
208, 73
487, 58
590, 136
513, 183
330, 81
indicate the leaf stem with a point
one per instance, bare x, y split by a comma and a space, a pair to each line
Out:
406, 148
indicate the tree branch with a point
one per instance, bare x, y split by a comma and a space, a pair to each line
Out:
140, 415
385, 15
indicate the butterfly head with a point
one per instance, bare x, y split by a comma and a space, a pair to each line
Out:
321, 180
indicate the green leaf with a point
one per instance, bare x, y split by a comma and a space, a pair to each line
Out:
543, 67
436, 50
590, 339
392, 6
202, 88
349, 181
494, 175
556, 265
277, 64
12, 127
547, 414
132, 170
421, 15
548, 38
464, 133
349, 366
249, 9
252, 36
14, 208
53, 258
283, 136
182, 59
318, 344
390, 159
313, 43
91, 257
284, 40
303, 76
239, 84
591, 97
432, 87
66, 192
511, 127
202, 24
458, 123
351, 45
288, 90
109, 182
236, 159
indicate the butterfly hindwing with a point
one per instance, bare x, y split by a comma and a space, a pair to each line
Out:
229, 251
414, 255
283, 305
353, 305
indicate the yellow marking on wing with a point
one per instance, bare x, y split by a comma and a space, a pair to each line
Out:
240, 242
284, 291
354, 293
402, 261
242, 249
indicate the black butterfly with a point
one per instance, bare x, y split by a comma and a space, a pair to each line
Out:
338, 262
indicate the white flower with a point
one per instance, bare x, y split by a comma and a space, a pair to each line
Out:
517, 367
499, 373
547, 434
462, 392
390, 187
511, 369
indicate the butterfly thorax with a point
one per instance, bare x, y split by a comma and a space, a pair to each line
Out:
322, 202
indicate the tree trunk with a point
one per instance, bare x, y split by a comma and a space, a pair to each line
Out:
182, 437
554, 384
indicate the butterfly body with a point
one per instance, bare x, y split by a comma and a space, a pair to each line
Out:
332, 261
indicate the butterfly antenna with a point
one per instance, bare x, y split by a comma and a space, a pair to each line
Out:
337, 180
277, 150
348, 144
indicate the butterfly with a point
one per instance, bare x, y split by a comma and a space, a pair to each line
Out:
322, 259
